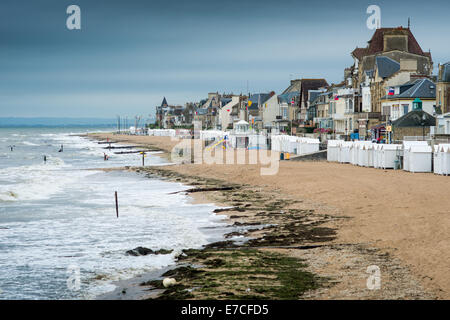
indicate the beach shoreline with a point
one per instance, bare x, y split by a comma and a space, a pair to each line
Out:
342, 259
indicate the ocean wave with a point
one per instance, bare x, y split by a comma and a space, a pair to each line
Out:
27, 143
37, 182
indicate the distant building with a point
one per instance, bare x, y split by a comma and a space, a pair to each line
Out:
443, 89
168, 116
208, 110
229, 113
323, 119
442, 129
344, 117
392, 57
288, 107
399, 100
302, 87
255, 108
272, 116
160, 113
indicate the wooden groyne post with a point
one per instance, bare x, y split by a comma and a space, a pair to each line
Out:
117, 204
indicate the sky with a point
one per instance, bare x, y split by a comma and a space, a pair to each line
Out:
130, 54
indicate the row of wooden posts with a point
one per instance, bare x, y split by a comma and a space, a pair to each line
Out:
115, 193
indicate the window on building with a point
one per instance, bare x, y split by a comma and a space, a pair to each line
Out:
405, 108
284, 113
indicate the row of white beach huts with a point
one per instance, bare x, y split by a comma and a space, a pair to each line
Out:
417, 156
280, 143
294, 145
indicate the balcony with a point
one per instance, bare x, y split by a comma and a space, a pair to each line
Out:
369, 115
338, 116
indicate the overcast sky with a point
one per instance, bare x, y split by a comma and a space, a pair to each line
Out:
129, 54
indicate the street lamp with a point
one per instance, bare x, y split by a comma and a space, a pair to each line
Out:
424, 117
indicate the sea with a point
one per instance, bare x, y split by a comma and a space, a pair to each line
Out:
59, 234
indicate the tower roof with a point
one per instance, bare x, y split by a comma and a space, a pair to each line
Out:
376, 43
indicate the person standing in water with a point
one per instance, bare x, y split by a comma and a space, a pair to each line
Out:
61, 149
45, 159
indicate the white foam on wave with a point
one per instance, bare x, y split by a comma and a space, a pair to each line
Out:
76, 223
37, 182
27, 143
85, 232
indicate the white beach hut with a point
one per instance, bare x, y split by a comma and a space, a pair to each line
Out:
375, 151
277, 142
353, 153
344, 151
441, 159
361, 152
312, 145
437, 159
257, 141
389, 153
419, 158
368, 156
406, 151
333, 150
292, 143
445, 162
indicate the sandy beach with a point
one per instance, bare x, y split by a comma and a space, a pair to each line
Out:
394, 219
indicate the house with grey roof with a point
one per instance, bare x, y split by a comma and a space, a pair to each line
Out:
392, 57
169, 116
313, 101
255, 104
302, 87
208, 110
412, 95
322, 104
